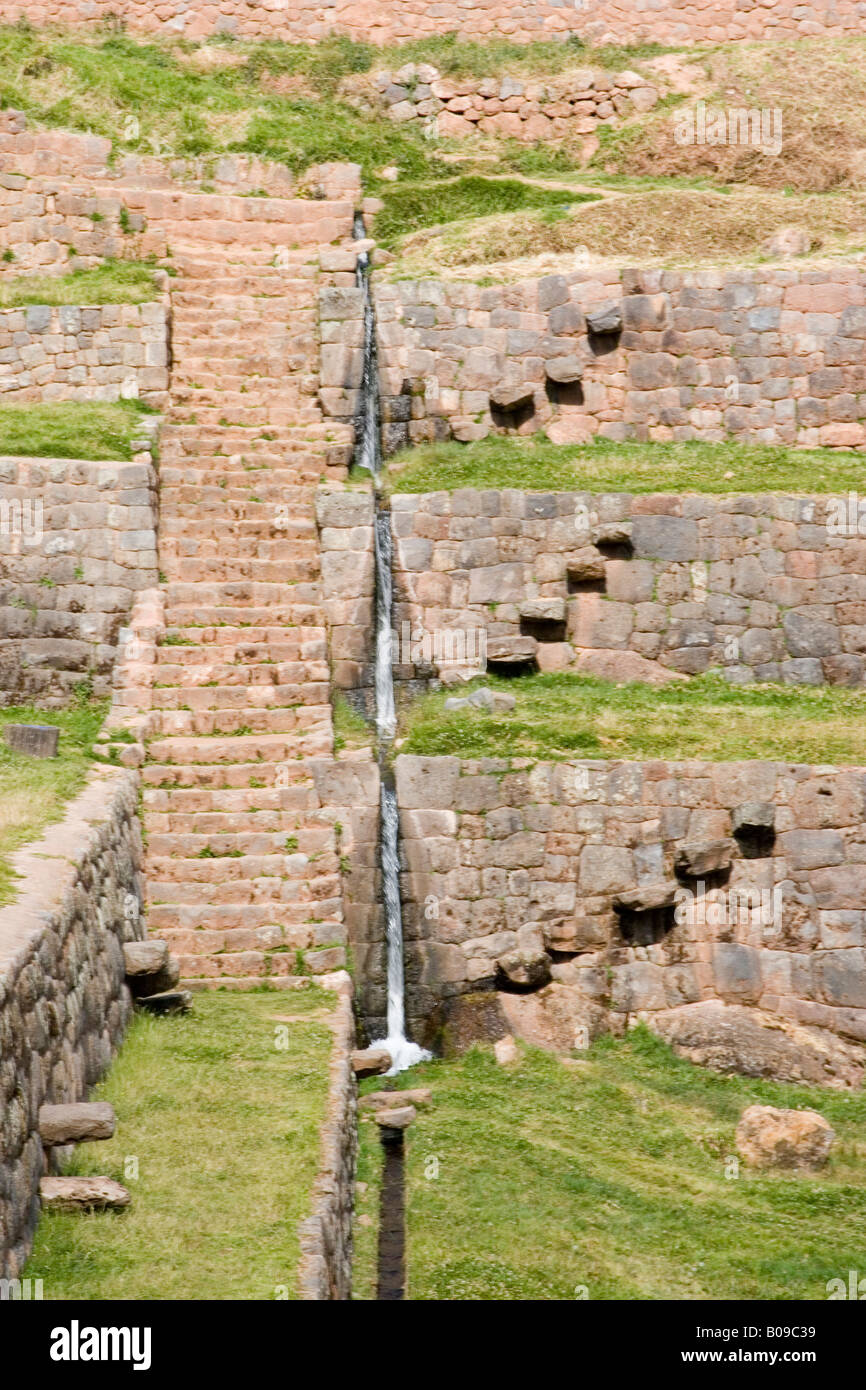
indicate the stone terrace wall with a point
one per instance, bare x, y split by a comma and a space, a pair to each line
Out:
760, 586
64, 1005
769, 355
383, 21
72, 352
77, 544
531, 859
572, 103
50, 224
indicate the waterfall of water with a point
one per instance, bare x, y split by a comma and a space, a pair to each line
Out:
368, 455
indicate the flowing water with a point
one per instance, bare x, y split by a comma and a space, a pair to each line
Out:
368, 455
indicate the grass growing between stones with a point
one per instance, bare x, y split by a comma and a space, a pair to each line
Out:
560, 716
71, 429
224, 1126
33, 791
115, 282
610, 1173
536, 465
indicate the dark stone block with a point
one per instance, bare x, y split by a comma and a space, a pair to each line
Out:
36, 740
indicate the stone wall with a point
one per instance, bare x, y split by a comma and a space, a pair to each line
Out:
50, 225
522, 878
64, 1005
326, 1235
572, 103
772, 355
385, 21
77, 544
763, 587
80, 352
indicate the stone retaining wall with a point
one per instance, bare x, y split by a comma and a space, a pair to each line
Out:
764, 587
572, 103
386, 21
50, 225
771, 355
64, 1005
517, 875
326, 1235
77, 544
89, 353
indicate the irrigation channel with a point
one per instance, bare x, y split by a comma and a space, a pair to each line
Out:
368, 455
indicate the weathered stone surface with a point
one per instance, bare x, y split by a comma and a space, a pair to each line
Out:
525, 968
512, 395
63, 1003
513, 650
555, 1018
145, 957
753, 815
731, 1038
506, 1051
699, 858
34, 740
76, 1124
82, 1194
771, 1138
565, 369
395, 1100
648, 898
395, 1117
607, 318
548, 610
371, 1061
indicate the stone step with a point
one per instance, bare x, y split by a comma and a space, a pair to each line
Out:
272, 820
243, 698
191, 617
78, 1123
213, 675
257, 748
298, 798
217, 776
82, 1194
233, 569
179, 724
199, 941
245, 869
239, 593
242, 839
278, 923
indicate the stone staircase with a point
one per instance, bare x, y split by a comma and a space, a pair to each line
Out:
242, 862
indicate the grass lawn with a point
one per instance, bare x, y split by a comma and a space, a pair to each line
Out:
115, 282
610, 1174
409, 206
71, 429
536, 465
568, 716
224, 1126
33, 791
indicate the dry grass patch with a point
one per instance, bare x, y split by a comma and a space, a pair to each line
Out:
665, 226
819, 85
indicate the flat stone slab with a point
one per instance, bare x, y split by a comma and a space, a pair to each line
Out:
82, 1194
371, 1061
698, 858
76, 1124
646, 899
400, 1117
391, 1100
35, 740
